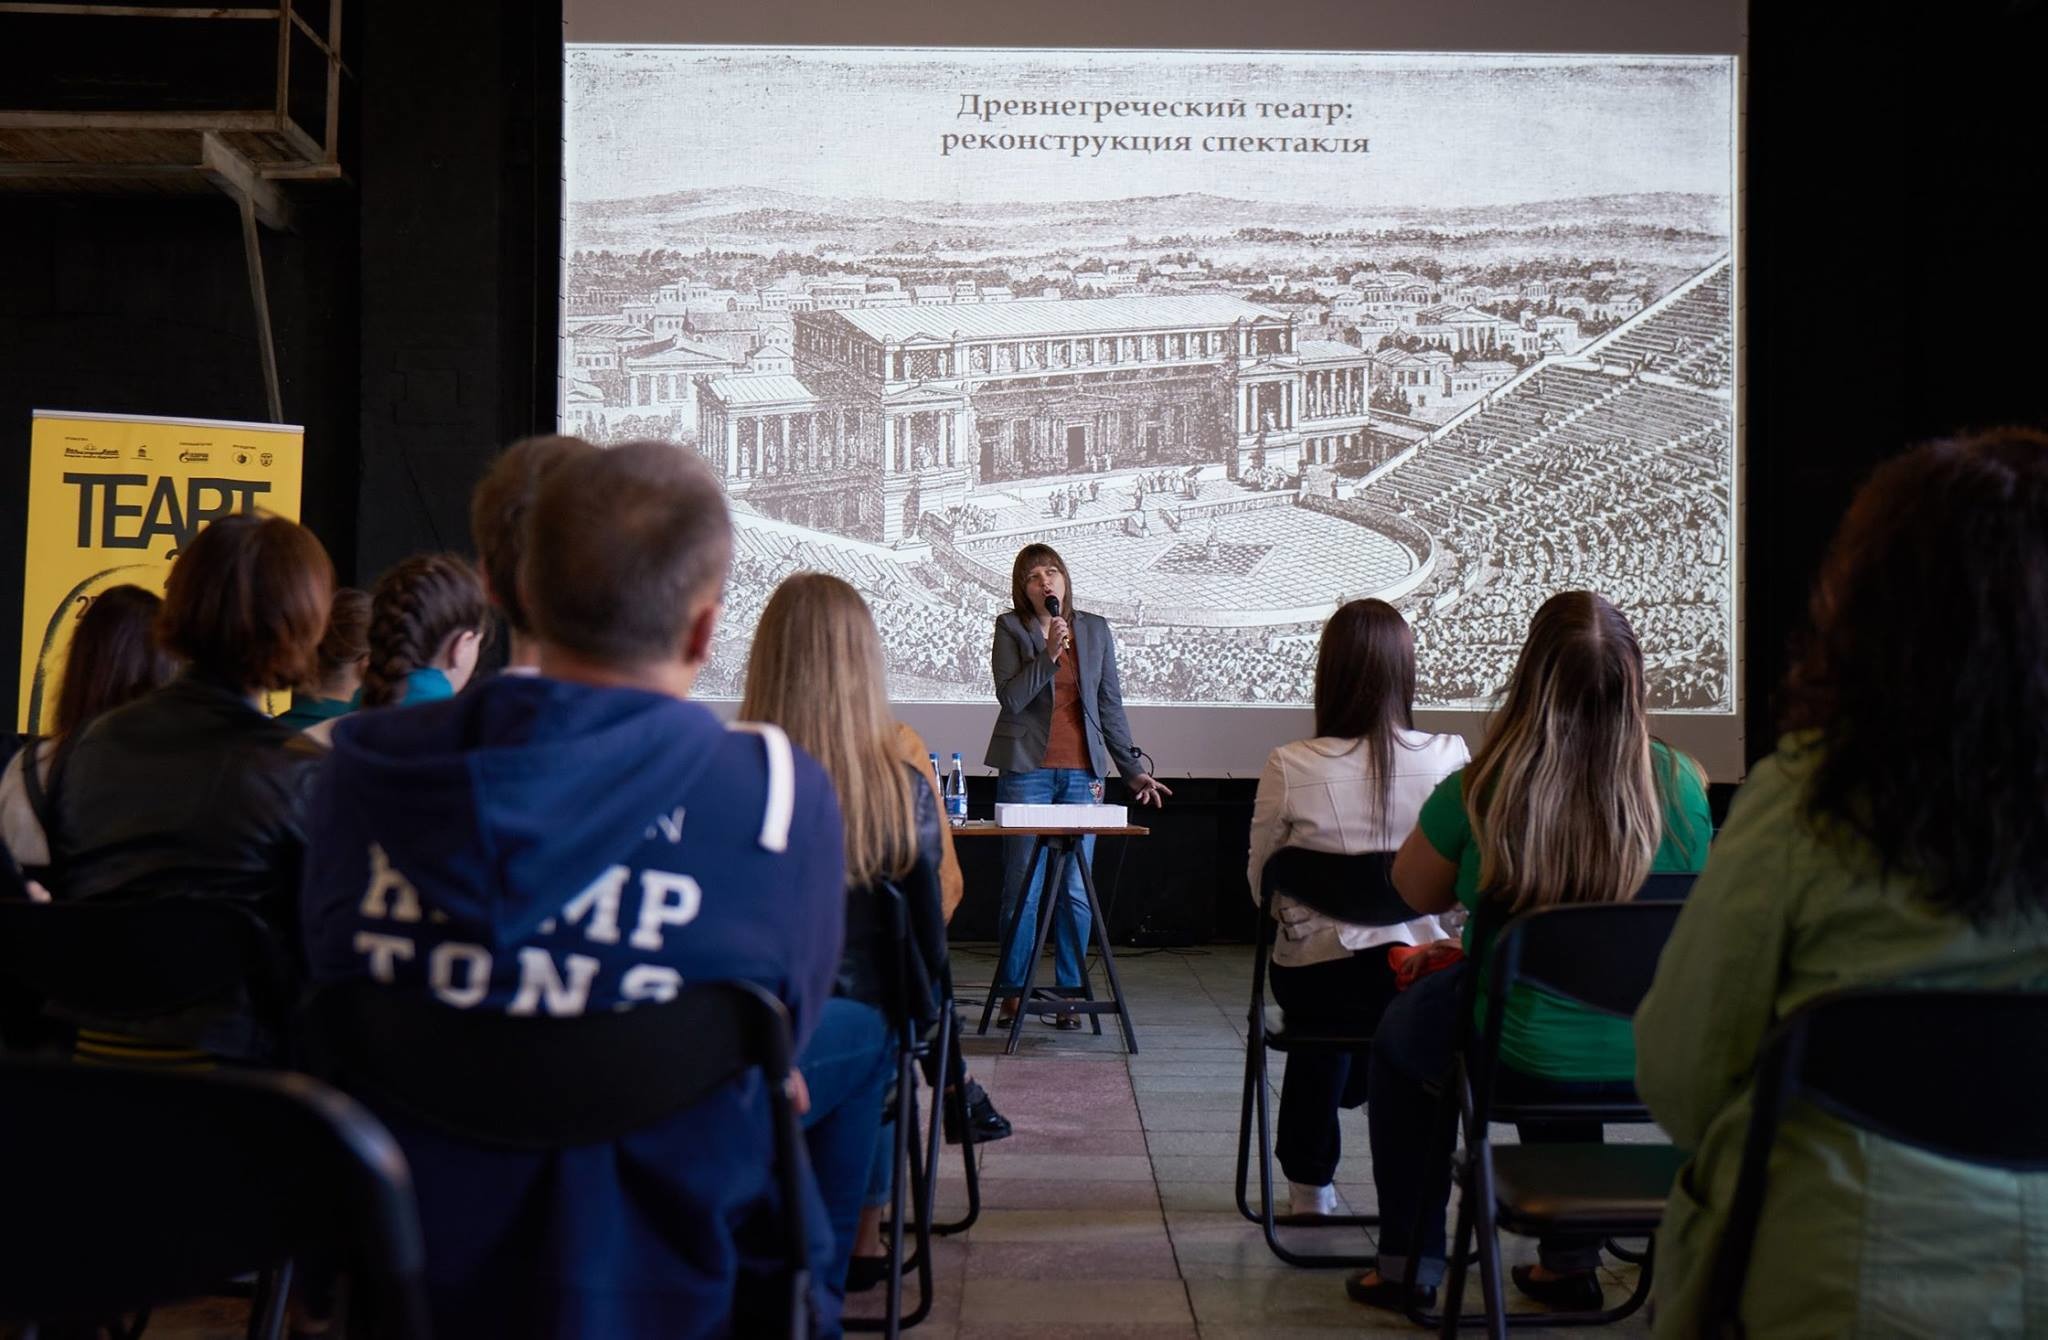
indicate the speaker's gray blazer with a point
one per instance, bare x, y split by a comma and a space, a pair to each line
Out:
1023, 672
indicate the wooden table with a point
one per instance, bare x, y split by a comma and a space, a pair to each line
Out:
1061, 846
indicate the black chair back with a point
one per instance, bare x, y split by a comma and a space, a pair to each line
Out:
1666, 886
127, 1188
121, 964
129, 960
546, 1082
1601, 955
1357, 889
542, 1081
1977, 1092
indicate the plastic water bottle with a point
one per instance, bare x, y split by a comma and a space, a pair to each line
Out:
956, 794
938, 778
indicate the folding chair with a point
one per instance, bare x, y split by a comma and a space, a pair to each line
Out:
1978, 1093
1354, 889
953, 1096
544, 1082
127, 1188
206, 970
920, 1163
1602, 955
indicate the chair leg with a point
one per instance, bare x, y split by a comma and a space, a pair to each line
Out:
1454, 1276
1641, 1294
957, 1100
898, 1161
1262, 1101
890, 1323
1481, 1178
267, 1305
922, 1171
1254, 1073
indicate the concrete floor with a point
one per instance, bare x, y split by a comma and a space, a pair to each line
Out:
1110, 1211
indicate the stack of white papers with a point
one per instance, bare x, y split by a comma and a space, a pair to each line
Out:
1062, 816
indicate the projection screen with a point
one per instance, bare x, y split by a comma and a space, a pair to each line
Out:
1242, 334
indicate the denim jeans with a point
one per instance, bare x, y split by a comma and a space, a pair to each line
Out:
1411, 1051
846, 1066
1045, 786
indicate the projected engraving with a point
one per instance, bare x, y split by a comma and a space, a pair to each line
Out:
1457, 332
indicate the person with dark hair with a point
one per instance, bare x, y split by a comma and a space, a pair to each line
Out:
497, 527
113, 659
1898, 837
427, 622
1356, 786
344, 651
192, 789
1569, 800
584, 840
1060, 729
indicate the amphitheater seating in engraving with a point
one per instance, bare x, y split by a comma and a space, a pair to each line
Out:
1612, 475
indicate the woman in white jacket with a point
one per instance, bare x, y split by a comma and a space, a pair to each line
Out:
1356, 786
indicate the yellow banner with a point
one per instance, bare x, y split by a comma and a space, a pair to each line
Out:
111, 497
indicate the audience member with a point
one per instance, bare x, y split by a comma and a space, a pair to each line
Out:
427, 621
1897, 837
192, 789
1355, 786
497, 527
1569, 800
816, 671
984, 1123
113, 659
344, 651
583, 840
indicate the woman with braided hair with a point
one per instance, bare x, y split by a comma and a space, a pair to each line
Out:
427, 619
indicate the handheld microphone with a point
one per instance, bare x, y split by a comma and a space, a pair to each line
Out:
1052, 607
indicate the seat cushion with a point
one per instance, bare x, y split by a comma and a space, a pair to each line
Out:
1608, 1188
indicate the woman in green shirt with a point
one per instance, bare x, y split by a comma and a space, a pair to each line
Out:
1898, 837
1568, 801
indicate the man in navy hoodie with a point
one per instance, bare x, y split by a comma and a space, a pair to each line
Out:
579, 841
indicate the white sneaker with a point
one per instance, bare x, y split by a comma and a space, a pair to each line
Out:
1304, 1199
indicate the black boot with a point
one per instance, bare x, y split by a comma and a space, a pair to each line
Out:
984, 1123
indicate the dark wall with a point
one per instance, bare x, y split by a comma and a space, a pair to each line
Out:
1892, 244
413, 306
140, 304
461, 171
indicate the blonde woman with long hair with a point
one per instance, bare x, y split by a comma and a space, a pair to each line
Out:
816, 671
1569, 800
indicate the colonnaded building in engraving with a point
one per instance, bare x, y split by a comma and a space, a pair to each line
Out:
893, 412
